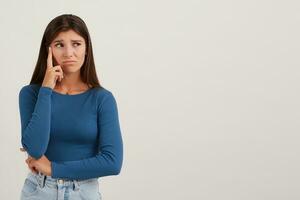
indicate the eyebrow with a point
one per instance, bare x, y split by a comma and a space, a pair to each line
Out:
71, 40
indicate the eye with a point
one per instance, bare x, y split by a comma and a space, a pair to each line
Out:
77, 44
56, 45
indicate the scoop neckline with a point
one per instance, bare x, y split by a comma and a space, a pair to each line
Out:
72, 95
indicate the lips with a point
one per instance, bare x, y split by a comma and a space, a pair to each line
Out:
69, 61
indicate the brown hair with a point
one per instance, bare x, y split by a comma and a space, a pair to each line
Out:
59, 24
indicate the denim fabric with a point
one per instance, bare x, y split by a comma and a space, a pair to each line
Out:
42, 187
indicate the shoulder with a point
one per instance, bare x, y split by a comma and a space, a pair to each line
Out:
29, 90
102, 93
105, 97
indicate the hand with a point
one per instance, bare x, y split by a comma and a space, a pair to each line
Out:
52, 73
41, 165
32, 169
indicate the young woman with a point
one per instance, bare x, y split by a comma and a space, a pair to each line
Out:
70, 125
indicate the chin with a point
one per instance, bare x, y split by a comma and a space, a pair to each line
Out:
68, 70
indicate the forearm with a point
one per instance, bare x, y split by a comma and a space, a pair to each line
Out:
36, 124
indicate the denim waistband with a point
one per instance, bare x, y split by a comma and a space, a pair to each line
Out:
58, 182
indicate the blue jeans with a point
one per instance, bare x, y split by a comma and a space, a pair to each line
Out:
42, 187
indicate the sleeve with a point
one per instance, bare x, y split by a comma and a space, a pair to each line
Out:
35, 115
109, 159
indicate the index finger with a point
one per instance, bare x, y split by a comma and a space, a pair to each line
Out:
49, 59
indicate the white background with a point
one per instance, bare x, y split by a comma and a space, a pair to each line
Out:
207, 92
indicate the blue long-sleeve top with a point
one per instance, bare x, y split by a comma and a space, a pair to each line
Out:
80, 134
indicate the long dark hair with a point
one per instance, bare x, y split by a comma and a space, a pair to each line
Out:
59, 24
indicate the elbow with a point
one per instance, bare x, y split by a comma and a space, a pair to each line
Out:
116, 170
117, 166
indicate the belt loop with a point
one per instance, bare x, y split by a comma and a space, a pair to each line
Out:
75, 185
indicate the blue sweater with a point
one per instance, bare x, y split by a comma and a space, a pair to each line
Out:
80, 134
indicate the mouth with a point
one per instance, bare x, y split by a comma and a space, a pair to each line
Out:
69, 62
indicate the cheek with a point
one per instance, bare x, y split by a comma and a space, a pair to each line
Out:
82, 51
56, 56
81, 55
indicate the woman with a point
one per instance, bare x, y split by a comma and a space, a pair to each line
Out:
70, 125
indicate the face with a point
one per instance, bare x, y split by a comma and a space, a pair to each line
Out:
68, 46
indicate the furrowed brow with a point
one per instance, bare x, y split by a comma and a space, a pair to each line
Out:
76, 40
71, 40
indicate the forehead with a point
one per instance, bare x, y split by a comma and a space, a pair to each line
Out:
69, 35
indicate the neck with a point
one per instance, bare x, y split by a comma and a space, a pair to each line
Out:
71, 81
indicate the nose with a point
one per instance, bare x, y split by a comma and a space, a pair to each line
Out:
68, 51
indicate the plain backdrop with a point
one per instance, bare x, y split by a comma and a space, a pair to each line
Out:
207, 92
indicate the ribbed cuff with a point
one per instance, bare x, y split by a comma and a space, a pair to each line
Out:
45, 90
